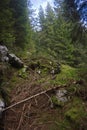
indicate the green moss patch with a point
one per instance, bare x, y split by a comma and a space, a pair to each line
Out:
67, 73
76, 112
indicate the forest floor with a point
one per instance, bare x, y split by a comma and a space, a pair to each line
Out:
34, 114
40, 112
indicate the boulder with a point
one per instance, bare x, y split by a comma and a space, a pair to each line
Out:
15, 61
10, 58
3, 54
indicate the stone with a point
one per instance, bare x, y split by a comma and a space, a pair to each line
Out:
10, 58
15, 61
60, 98
3, 54
61, 95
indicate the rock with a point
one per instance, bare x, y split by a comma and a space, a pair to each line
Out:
60, 98
2, 106
15, 61
62, 95
3, 54
10, 58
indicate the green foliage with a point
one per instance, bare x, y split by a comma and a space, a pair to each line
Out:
6, 23
55, 37
23, 73
41, 17
56, 102
4, 93
15, 24
67, 74
21, 22
61, 35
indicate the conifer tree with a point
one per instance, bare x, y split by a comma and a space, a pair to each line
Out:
41, 18
6, 23
22, 24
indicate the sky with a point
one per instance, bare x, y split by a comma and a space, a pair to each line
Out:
82, 9
43, 3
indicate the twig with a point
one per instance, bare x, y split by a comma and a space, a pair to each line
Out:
21, 118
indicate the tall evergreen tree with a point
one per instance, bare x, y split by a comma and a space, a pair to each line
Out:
41, 18
70, 14
22, 23
6, 23
46, 24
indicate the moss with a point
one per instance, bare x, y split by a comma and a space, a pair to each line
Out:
64, 125
56, 102
73, 89
45, 65
23, 73
67, 73
76, 113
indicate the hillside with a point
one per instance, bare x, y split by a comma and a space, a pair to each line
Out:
43, 65
58, 99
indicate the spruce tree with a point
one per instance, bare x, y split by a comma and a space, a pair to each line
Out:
41, 18
22, 24
6, 23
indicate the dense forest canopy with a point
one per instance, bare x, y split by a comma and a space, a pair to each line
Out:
59, 31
